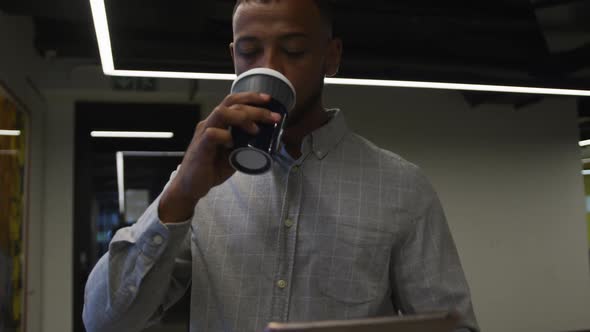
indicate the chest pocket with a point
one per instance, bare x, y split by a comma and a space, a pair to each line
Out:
353, 263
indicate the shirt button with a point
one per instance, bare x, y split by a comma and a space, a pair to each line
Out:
289, 223
281, 284
157, 240
295, 169
132, 289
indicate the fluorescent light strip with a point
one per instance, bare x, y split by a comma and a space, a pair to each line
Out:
153, 153
132, 134
586, 172
365, 82
584, 143
106, 55
458, 86
9, 132
171, 74
101, 26
121, 181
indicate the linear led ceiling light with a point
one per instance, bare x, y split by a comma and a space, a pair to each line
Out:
132, 134
9, 132
106, 55
584, 143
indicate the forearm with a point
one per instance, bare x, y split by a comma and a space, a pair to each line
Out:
177, 205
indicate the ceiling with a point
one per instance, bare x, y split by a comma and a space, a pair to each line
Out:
544, 43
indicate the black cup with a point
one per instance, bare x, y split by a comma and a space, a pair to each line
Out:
253, 154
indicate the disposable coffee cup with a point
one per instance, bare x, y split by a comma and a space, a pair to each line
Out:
253, 154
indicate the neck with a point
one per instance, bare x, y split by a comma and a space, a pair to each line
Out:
293, 135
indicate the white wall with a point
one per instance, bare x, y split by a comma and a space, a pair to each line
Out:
511, 185
17, 61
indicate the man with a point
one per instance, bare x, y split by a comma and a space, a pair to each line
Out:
337, 229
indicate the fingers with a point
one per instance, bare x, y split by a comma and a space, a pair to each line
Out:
243, 116
236, 110
215, 137
206, 162
246, 98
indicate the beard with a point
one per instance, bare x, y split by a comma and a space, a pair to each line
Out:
303, 107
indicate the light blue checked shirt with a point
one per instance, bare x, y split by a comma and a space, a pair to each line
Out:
348, 230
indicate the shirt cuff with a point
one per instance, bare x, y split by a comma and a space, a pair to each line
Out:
159, 237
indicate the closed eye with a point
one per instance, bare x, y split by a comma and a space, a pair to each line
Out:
248, 53
295, 53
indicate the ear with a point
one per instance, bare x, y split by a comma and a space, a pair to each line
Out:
333, 57
231, 51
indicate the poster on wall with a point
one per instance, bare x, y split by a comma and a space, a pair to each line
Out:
13, 210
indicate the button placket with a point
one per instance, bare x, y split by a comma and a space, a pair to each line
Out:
290, 231
289, 223
286, 254
282, 284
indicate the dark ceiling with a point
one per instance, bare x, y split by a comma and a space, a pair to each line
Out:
494, 42
543, 43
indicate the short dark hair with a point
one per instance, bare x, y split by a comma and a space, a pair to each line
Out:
325, 6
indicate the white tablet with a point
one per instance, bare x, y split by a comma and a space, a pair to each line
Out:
437, 322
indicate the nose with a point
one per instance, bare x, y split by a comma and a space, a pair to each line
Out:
272, 59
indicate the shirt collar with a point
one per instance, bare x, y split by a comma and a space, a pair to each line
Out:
321, 141
324, 139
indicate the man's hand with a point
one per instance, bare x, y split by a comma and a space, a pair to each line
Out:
206, 161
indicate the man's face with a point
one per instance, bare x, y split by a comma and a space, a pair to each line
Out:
288, 36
